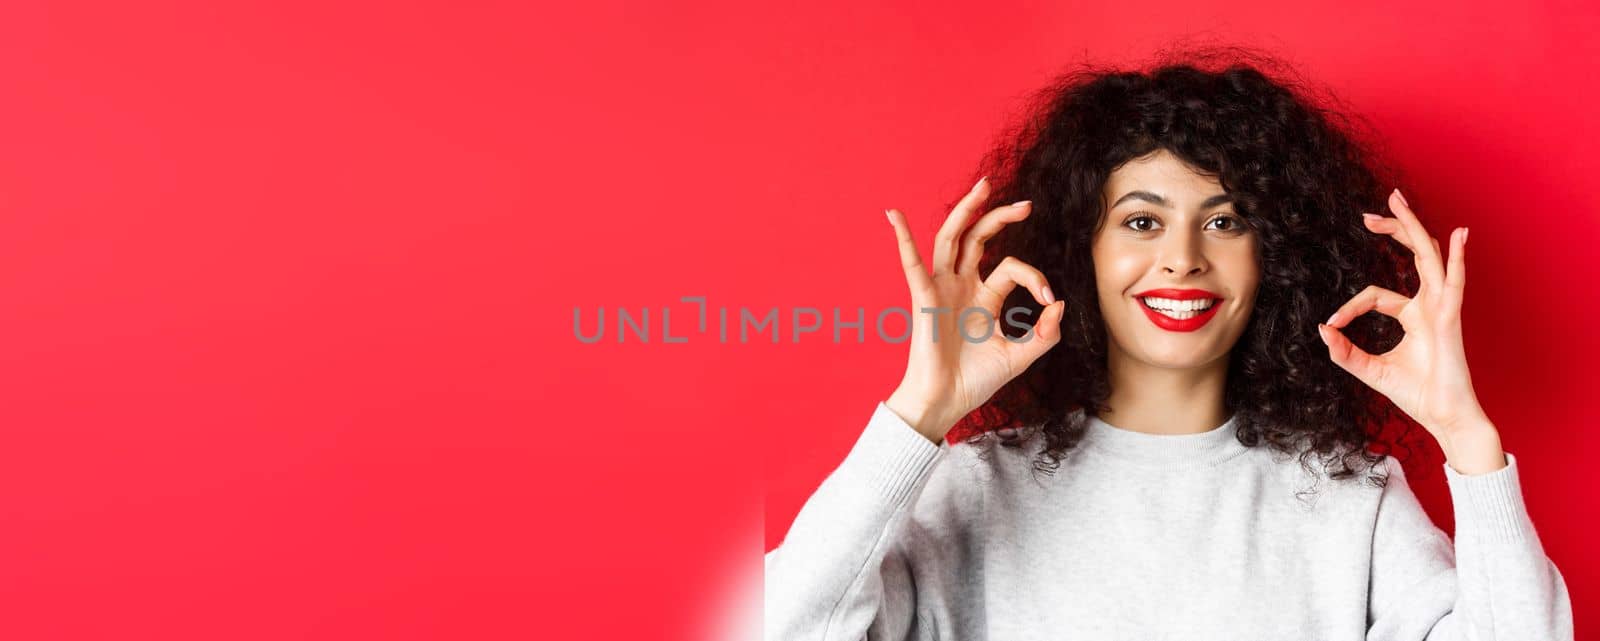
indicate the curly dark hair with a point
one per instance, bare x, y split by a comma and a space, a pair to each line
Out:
1301, 173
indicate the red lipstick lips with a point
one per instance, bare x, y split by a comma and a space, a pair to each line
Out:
1175, 324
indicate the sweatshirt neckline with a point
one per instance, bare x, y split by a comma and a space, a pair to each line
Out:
1212, 446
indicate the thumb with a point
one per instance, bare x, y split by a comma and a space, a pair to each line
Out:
1347, 355
1046, 333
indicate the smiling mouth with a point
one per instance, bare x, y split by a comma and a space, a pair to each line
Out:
1178, 309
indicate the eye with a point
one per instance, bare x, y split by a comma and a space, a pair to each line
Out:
1232, 223
1151, 224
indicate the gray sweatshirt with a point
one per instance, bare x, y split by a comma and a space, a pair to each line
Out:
1146, 536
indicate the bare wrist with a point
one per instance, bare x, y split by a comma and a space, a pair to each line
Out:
1474, 451
920, 415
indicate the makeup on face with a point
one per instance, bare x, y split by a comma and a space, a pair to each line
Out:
1172, 245
1179, 310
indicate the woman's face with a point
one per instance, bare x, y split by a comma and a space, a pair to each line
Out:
1175, 266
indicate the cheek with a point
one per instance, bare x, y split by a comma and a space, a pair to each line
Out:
1243, 275
1116, 270
1247, 269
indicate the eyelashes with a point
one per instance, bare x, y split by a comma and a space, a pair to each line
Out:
1235, 223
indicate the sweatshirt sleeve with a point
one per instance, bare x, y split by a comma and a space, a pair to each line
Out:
1493, 582
844, 571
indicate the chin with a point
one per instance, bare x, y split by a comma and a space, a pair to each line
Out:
1175, 360
1178, 350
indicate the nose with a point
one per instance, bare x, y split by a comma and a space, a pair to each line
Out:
1182, 253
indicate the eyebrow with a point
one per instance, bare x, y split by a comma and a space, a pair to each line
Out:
1157, 199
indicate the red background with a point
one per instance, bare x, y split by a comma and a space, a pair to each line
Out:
288, 288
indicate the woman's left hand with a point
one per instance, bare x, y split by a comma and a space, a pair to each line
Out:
1426, 374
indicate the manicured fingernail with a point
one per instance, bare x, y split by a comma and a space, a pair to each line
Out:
978, 184
1464, 232
1049, 298
1370, 216
889, 216
1332, 318
1321, 333
1402, 196
1020, 203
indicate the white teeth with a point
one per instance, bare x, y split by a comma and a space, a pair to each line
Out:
1179, 309
1178, 315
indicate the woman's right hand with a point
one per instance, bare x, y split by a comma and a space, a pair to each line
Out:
954, 367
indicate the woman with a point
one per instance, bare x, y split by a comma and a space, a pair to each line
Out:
1204, 435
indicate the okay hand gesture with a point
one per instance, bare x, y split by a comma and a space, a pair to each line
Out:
959, 355
1425, 375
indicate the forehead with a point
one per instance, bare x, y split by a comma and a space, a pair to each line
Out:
1164, 174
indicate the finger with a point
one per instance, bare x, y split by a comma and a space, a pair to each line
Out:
1045, 334
947, 242
1012, 272
1455, 275
986, 227
1349, 357
910, 259
1395, 229
1429, 267
1384, 301
1390, 227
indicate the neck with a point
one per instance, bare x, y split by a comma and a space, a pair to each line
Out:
1163, 400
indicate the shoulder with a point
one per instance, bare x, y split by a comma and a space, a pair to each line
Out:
976, 476
1341, 487
934, 482
945, 524
957, 483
